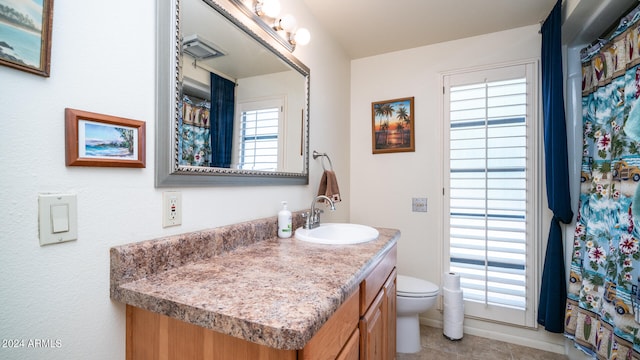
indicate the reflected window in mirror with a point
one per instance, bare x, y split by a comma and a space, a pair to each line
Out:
261, 127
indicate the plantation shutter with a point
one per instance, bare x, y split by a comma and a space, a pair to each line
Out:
489, 161
258, 137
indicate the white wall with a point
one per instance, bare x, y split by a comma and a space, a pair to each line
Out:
382, 185
103, 61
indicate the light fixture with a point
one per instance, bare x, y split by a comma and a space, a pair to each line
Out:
301, 37
282, 29
288, 26
199, 48
287, 23
270, 8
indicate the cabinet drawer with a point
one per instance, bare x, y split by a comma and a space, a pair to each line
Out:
335, 333
371, 285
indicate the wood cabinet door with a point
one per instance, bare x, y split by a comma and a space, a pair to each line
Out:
372, 330
351, 350
389, 310
335, 334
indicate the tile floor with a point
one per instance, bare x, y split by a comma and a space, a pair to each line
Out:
436, 347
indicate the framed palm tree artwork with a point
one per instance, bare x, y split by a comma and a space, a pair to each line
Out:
392, 126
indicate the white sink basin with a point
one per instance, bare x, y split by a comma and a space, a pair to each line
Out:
337, 234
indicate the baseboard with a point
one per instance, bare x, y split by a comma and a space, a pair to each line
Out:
495, 335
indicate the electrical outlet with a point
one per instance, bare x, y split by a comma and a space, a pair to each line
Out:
171, 208
419, 205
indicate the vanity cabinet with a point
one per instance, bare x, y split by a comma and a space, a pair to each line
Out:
154, 336
363, 327
351, 350
378, 311
335, 339
390, 319
372, 330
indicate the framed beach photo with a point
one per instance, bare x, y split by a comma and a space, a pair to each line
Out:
103, 140
25, 35
392, 125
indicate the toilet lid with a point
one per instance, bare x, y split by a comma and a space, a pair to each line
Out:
414, 287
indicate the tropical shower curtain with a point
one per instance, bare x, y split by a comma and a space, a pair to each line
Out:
603, 299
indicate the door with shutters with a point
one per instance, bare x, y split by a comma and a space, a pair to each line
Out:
491, 189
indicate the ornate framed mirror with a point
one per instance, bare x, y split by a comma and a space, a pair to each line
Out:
257, 135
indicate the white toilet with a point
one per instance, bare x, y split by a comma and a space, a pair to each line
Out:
414, 296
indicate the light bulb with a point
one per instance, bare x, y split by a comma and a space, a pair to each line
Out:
287, 23
302, 36
270, 8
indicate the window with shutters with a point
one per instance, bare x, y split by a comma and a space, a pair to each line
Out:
259, 131
490, 189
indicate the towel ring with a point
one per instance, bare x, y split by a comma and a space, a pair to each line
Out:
324, 155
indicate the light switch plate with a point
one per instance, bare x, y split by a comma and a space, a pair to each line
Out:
419, 205
57, 218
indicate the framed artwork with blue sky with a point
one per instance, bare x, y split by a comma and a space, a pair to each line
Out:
103, 140
25, 35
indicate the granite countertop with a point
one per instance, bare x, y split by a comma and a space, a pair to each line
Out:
274, 292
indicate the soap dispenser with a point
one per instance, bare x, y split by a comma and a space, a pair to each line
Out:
284, 222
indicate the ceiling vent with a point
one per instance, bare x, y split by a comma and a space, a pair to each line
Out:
200, 48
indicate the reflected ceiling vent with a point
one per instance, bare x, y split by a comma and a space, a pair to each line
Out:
200, 48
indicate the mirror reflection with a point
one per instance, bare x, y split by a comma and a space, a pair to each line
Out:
241, 106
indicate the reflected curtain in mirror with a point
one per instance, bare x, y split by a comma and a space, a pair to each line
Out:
222, 117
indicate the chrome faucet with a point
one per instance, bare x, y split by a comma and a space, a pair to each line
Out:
313, 216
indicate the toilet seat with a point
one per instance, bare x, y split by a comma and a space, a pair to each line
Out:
408, 286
